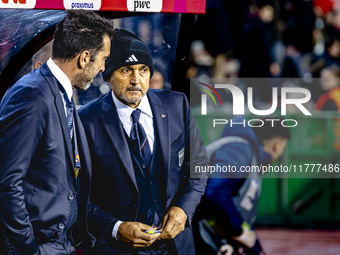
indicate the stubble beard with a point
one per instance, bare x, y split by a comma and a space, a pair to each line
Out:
127, 100
82, 87
131, 101
82, 81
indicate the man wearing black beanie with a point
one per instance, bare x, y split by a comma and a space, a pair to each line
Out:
139, 141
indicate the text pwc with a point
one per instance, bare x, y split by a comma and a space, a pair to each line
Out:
141, 5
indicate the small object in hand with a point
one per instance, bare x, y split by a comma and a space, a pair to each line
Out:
153, 231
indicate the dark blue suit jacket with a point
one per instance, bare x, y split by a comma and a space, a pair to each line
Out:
114, 183
36, 169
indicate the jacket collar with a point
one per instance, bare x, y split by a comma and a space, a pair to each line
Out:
52, 82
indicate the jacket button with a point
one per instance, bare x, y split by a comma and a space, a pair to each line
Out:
61, 226
71, 196
144, 166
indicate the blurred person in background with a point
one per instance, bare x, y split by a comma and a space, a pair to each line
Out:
330, 57
42, 55
330, 83
257, 58
232, 198
299, 19
201, 61
213, 28
158, 80
215, 38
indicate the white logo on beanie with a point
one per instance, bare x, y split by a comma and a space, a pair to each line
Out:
132, 58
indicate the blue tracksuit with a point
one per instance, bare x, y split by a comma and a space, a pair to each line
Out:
220, 191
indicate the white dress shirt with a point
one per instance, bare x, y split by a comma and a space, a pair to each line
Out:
63, 79
145, 119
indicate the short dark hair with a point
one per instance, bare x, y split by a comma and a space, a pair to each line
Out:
80, 30
270, 129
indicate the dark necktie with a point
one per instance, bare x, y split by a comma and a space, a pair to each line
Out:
139, 138
70, 118
70, 122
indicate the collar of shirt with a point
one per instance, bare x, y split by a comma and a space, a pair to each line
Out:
125, 111
146, 117
61, 77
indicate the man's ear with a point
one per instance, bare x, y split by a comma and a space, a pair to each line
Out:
38, 64
84, 59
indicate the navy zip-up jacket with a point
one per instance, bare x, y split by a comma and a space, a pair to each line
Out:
220, 191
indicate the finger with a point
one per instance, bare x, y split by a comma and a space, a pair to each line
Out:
165, 219
179, 226
153, 237
173, 228
144, 227
138, 242
146, 236
176, 229
167, 230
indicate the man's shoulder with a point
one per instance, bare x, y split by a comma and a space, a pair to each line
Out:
167, 98
33, 79
33, 85
164, 93
92, 108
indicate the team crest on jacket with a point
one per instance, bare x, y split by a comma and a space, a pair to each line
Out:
181, 157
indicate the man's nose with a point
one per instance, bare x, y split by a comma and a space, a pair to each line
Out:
102, 68
135, 79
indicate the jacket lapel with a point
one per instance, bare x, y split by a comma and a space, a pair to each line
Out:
161, 123
85, 172
83, 148
114, 129
52, 81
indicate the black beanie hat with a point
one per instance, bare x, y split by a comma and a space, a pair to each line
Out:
127, 49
